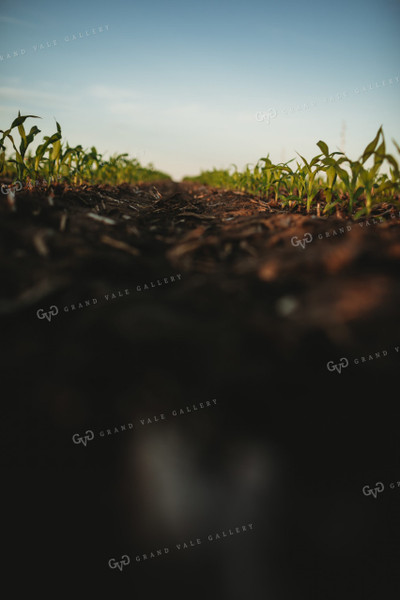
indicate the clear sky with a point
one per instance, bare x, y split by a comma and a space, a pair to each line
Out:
191, 85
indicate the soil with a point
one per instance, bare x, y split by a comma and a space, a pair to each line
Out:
231, 249
170, 295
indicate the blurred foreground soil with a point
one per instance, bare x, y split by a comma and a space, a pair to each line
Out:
163, 297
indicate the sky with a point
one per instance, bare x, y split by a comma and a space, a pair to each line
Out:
190, 85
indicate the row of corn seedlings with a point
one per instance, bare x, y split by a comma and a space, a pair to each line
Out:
330, 178
53, 160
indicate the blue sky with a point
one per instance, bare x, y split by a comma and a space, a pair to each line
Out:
189, 85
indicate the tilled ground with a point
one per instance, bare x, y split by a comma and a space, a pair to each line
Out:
288, 275
120, 303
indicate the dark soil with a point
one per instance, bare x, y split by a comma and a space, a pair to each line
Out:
228, 308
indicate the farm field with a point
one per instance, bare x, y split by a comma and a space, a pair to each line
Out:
243, 297
199, 300
248, 311
314, 241
302, 275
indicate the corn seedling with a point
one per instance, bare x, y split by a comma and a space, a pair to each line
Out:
54, 160
341, 180
19, 159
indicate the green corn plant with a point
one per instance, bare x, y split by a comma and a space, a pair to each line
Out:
343, 180
367, 176
350, 182
267, 175
296, 186
331, 175
293, 193
282, 178
235, 177
54, 160
66, 158
309, 185
256, 180
385, 184
247, 181
41, 150
26, 139
55, 155
329, 167
79, 161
